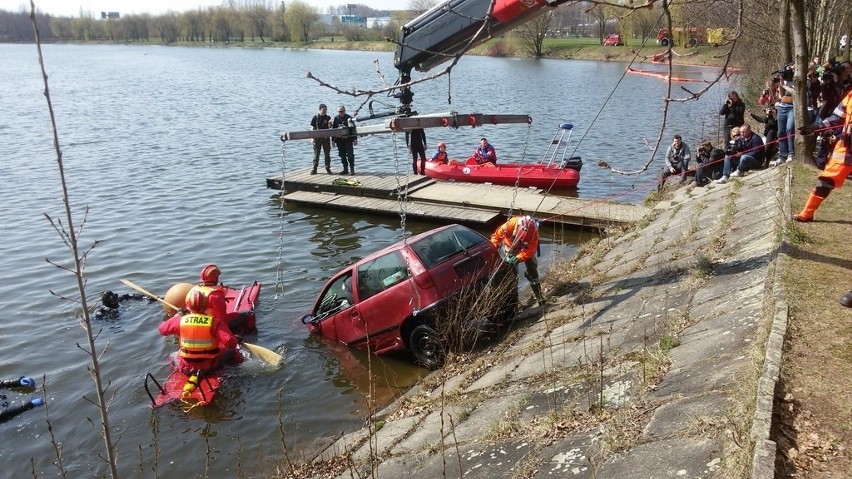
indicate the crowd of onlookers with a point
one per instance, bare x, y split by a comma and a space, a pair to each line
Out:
743, 149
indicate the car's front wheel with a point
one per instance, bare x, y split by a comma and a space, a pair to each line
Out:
426, 346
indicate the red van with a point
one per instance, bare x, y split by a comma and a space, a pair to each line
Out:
406, 295
613, 40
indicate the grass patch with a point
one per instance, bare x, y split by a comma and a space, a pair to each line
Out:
816, 374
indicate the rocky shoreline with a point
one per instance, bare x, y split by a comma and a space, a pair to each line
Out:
656, 356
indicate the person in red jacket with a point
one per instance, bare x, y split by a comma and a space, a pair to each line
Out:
517, 240
485, 153
441, 155
206, 343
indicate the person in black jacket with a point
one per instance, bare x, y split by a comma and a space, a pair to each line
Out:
416, 141
709, 161
746, 155
321, 121
345, 144
734, 112
770, 132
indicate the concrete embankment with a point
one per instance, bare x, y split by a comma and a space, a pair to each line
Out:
657, 360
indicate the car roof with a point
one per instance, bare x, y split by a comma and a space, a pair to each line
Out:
399, 244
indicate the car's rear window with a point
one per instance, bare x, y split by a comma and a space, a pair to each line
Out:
443, 245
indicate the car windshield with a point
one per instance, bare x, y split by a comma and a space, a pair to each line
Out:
441, 246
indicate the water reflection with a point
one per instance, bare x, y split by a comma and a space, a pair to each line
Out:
382, 378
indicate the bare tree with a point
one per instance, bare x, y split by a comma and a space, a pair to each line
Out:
599, 13
168, 27
258, 14
418, 7
533, 33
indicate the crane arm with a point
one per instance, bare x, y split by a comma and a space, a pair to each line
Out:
446, 29
450, 27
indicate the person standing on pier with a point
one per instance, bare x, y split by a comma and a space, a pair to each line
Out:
416, 141
345, 144
321, 121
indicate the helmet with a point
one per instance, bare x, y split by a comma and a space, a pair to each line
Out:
441, 143
525, 229
110, 300
196, 301
210, 274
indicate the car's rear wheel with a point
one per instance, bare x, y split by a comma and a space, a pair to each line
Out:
426, 346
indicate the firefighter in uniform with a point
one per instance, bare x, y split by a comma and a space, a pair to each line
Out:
517, 240
206, 343
840, 162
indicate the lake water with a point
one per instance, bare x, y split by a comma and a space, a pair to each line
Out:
169, 148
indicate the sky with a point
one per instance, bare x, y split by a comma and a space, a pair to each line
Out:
70, 8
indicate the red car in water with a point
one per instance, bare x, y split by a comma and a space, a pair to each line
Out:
405, 296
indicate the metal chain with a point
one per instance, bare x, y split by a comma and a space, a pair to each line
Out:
518, 178
279, 270
402, 197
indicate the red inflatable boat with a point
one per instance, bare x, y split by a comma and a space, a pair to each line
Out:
564, 175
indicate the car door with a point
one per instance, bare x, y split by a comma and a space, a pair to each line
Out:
336, 314
386, 296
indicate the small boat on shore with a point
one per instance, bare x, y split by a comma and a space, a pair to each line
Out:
564, 175
555, 170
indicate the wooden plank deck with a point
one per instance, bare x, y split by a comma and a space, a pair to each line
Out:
374, 185
383, 207
455, 201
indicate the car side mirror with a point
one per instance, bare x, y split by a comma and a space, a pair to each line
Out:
307, 319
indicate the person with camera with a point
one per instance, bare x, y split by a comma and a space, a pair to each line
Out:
709, 161
734, 112
786, 117
677, 161
770, 132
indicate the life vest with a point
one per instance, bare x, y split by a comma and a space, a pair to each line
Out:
524, 246
440, 156
196, 337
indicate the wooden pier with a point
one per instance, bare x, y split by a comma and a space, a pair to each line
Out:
443, 200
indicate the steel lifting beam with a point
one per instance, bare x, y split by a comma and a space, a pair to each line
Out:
454, 120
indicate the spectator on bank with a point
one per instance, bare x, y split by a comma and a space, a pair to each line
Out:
786, 117
709, 161
770, 132
676, 161
733, 111
747, 154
